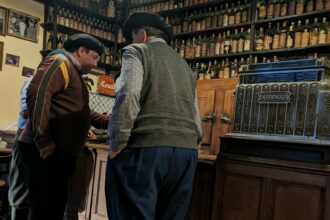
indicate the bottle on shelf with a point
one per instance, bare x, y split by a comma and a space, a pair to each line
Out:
218, 45
231, 16
310, 6
262, 9
276, 38
323, 31
238, 13
247, 41
234, 69
283, 36
49, 45
298, 35
270, 9
234, 42
198, 47
327, 4
284, 8
221, 70
245, 9
277, 8
220, 14
214, 19
290, 36
226, 69
212, 46
227, 43
319, 5
292, 7
204, 47
300, 7
268, 38
225, 16
182, 49
306, 34
259, 40
241, 39
314, 33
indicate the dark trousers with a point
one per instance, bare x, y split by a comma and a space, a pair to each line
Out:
47, 180
150, 183
18, 191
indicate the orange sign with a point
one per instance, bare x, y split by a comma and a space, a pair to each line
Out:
106, 85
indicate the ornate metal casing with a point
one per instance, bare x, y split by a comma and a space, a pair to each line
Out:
287, 98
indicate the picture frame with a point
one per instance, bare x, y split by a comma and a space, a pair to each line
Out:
23, 26
1, 54
28, 72
3, 20
12, 60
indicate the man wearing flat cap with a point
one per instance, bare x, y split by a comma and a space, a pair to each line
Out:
59, 119
155, 127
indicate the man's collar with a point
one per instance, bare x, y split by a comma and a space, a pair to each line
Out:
73, 59
156, 39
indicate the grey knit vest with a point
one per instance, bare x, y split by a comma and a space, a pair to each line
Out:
167, 99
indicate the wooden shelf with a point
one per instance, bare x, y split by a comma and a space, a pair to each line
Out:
190, 8
70, 31
298, 51
319, 14
74, 7
222, 56
212, 30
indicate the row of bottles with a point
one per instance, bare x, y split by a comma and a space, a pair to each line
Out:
81, 22
210, 18
224, 43
293, 35
106, 58
224, 69
165, 5
219, 70
280, 8
102, 7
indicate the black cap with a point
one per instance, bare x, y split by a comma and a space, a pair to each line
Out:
140, 19
77, 40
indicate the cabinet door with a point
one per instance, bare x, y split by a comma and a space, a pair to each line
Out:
216, 98
99, 209
251, 191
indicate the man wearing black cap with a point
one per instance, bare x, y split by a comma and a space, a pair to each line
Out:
155, 127
59, 119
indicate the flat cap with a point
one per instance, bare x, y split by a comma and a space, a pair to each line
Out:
77, 40
141, 19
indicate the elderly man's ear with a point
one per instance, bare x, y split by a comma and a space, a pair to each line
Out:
140, 36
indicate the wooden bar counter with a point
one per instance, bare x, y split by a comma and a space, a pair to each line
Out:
201, 203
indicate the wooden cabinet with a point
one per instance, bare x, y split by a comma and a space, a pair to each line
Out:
216, 103
291, 183
96, 206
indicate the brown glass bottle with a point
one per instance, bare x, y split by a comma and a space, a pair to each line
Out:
306, 34
298, 35
283, 36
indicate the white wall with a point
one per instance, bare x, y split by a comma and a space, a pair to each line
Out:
11, 78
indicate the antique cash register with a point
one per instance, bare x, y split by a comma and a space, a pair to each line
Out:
287, 98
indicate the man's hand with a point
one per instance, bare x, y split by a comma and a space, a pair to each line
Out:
113, 154
47, 151
91, 134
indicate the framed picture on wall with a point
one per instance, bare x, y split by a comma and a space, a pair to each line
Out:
1, 54
26, 71
3, 20
12, 60
23, 26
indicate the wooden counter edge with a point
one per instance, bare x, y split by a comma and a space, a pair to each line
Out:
204, 158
